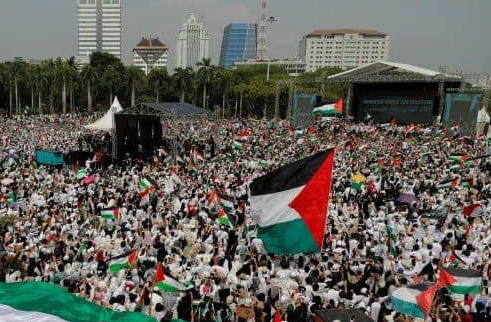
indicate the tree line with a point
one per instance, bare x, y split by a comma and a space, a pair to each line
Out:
57, 86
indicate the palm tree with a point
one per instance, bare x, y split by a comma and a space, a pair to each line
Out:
182, 80
89, 77
158, 79
62, 72
31, 81
18, 69
134, 76
6, 76
205, 73
112, 81
40, 81
223, 79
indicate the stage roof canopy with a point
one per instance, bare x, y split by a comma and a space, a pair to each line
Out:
384, 68
343, 315
106, 122
178, 109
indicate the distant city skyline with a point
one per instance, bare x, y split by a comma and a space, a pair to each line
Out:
426, 33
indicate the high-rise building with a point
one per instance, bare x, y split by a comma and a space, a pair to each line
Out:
239, 43
345, 48
150, 53
192, 43
99, 27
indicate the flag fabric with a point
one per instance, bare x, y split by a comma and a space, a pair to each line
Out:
223, 218
213, 198
405, 299
123, 262
166, 283
11, 198
45, 302
461, 281
226, 203
81, 174
335, 109
110, 214
458, 158
145, 187
89, 179
425, 299
141, 300
474, 210
290, 204
276, 315
243, 136
174, 176
238, 146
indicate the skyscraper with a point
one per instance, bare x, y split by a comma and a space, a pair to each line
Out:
99, 27
192, 43
239, 43
150, 53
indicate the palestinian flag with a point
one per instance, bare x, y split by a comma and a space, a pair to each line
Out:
414, 300
461, 281
458, 158
226, 204
335, 109
81, 174
238, 146
454, 183
45, 302
474, 210
145, 187
243, 136
290, 205
110, 214
166, 283
123, 262
223, 218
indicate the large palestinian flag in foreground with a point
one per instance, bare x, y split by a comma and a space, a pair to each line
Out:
461, 281
290, 205
414, 300
44, 302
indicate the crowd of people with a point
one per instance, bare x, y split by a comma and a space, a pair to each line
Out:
51, 227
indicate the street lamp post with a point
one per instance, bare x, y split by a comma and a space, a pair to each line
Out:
271, 20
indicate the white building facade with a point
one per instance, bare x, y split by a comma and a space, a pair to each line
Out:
192, 43
99, 27
150, 53
345, 48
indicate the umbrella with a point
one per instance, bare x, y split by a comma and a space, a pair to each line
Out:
358, 177
406, 198
7, 181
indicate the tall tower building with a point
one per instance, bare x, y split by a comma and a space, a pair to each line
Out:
99, 27
192, 43
239, 43
150, 53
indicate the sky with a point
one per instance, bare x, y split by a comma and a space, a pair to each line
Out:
427, 33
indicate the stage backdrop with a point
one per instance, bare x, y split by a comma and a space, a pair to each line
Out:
406, 102
303, 104
462, 109
138, 135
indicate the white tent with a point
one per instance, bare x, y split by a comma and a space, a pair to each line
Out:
106, 123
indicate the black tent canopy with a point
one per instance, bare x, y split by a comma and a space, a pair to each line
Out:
178, 109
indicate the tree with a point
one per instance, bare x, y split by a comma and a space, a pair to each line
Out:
40, 82
111, 80
18, 70
89, 77
63, 74
134, 76
30, 80
223, 79
205, 73
158, 79
6, 76
182, 81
